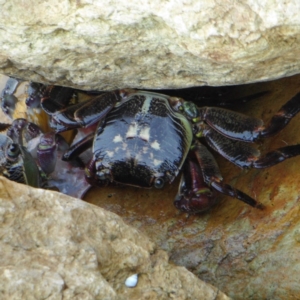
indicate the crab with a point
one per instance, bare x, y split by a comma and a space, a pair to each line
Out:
16, 163
27, 155
145, 139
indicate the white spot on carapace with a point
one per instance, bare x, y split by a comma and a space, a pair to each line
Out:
145, 150
145, 133
155, 145
110, 153
117, 139
132, 281
132, 130
156, 162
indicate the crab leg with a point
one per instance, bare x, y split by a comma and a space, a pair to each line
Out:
76, 149
241, 127
96, 108
79, 115
231, 124
213, 178
240, 153
56, 98
275, 157
282, 117
35, 93
194, 195
54, 102
244, 155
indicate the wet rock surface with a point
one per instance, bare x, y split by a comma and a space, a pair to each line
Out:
106, 45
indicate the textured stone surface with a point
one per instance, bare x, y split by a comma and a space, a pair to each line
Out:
160, 44
57, 247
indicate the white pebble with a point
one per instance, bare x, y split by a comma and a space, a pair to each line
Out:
131, 281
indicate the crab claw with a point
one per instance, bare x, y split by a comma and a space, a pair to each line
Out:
21, 131
35, 93
194, 195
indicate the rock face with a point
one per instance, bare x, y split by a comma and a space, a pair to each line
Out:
54, 247
106, 45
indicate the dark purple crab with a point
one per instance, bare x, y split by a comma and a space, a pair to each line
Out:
16, 162
144, 139
29, 156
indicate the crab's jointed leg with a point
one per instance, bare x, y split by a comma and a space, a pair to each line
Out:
282, 117
276, 156
56, 98
213, 178
248, 129
76, 149
240, 153
78, 115
35, 93
243, 154
231, 124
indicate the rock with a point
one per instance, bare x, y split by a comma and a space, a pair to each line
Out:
106, 45
54, 246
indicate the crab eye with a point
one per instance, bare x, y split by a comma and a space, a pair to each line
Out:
190, 109
13, 151
159, 183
